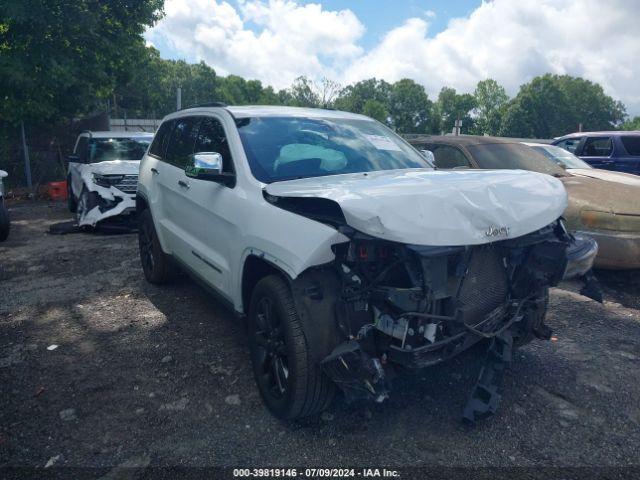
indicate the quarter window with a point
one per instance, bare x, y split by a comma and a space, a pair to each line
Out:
211, 138
598, 147
182, 141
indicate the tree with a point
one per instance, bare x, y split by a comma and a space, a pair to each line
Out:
631, 124
490, 99
452, 106
589, 105
354, 97
60, 57
374, 109
553, 105
409, 107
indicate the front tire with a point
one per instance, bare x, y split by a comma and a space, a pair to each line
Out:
5, 223
157, 266
290, 383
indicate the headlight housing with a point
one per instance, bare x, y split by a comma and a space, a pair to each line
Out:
610, 221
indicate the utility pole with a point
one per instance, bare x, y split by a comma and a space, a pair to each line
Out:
27, 162
457, 127
179, 98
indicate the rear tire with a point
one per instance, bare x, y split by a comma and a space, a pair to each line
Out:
158, 267
5, 223
291, 384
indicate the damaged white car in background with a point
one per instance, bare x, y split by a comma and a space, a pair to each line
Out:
103, 176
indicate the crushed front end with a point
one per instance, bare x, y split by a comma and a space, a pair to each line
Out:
412, 306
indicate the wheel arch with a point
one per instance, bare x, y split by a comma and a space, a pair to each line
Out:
254, 269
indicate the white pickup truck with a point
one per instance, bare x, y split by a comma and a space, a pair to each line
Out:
349, 255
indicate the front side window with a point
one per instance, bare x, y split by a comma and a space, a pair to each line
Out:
105, 149
182, 141
449, 157
284, 148
212, 138
598, 147
570, 144
513, 156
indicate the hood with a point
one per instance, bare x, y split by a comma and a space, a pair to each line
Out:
609, 176
115, 167
587, 193
426, 207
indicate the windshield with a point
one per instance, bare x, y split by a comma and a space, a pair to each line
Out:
562, 157
132, 148
514, 156
284, 148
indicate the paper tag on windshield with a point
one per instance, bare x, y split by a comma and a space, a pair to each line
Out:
383, 143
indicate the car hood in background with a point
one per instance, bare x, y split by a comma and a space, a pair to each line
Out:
618, 177
587, 193
426, 207
115, 167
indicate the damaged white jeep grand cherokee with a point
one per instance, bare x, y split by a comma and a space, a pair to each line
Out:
103, 175
349, 255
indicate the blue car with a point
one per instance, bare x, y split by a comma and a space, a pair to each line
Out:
618, 151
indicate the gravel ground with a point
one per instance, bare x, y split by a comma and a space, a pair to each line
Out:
160, 376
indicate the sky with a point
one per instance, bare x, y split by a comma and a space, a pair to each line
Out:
437, 43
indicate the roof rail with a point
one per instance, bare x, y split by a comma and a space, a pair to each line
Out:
207, 104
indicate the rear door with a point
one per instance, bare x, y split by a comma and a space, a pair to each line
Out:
627, 154
598, 152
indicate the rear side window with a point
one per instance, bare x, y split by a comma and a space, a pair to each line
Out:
160, 139
211, 138
570, 144
631, 144
598, 147
181, 141
449, 157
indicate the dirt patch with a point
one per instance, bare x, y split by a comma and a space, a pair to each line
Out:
160, 376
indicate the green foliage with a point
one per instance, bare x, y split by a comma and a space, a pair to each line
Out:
59, 58
552, 105
491, 100
374, 109
452, 106
409, 107
354, 97
631, 124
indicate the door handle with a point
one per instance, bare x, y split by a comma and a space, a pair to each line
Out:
183, 184
155, 171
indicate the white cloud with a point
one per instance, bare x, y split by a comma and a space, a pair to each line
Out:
274, 42
511, 41
514, 41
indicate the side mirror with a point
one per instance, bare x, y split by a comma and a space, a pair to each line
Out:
428, 155
208, 166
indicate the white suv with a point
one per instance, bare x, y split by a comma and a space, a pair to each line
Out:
348, 254
103, 175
